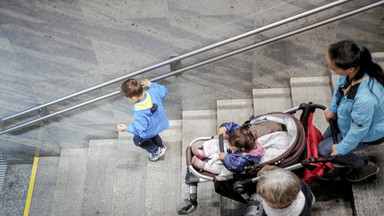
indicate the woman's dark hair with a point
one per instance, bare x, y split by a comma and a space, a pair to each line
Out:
346, 54
242, 138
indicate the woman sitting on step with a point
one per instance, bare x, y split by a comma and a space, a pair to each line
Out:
358, 106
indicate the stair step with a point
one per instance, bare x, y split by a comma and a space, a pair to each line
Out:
334, 80
45, 186
99, 180
237, 111
3, 168
379, 58
312, 89
199, 123
369, 194
131, 175
271, 100
71, 181
163, 176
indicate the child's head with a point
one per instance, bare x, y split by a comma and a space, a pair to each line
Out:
241, 140
278, 187
131, 89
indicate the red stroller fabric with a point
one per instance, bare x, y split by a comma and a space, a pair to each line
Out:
314, 137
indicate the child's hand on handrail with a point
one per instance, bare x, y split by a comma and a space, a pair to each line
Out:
146, 83
122, 128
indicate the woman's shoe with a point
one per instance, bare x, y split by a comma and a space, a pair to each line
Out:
369, 169
198, 164
198, 152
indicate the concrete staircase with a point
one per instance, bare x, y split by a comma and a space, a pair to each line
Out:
113, 177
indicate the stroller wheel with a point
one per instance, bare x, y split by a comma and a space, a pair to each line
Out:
186, 207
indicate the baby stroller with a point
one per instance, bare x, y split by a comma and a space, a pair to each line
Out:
299, 154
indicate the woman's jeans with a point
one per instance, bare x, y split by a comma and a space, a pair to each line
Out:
350, 159
150, 145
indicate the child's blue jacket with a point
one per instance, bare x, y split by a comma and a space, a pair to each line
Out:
149, 117
360, 119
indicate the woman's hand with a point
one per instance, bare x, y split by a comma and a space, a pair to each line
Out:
329, 115
334, 151
222, 131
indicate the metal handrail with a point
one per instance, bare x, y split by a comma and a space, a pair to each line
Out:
177, 58
219, 57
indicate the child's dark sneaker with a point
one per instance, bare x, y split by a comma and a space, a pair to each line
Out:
198, 152
369, 169
197, 163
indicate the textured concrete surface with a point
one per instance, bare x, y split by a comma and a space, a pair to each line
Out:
15, 189
70, 182
45, 186
99, 180
52, 49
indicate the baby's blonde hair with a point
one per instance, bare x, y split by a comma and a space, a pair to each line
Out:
278, 186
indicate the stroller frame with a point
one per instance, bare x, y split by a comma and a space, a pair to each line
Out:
193, 177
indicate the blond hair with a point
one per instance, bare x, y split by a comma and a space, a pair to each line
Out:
278, 186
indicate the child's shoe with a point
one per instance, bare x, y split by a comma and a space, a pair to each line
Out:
162, 151
153, 156
198, 152
197, 163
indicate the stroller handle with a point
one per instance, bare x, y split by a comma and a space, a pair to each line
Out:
221, 143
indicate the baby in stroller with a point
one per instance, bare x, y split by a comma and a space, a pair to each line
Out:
241, 149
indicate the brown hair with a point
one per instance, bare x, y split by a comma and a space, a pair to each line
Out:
242, 138
278, 186
131, 88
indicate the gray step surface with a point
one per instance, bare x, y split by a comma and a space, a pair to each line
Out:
271, 100
3, 168
45, 186
312, 89
379, 58
142, 186
163, 190
237, 111
70, 182
15, 189
99, 180
199, 123
369, 194
130, 180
